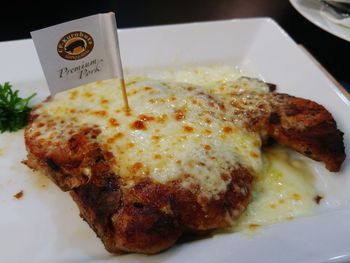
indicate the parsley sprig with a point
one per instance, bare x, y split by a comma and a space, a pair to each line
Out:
13, 109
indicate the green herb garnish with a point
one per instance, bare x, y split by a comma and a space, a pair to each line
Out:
13, 109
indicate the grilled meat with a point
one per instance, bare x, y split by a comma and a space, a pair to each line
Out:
182, 162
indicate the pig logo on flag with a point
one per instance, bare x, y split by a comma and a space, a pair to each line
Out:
75, 45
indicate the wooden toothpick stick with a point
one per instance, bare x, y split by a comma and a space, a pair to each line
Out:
125, 96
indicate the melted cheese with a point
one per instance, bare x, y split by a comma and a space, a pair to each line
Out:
204, 76
283, 191
174, 132
178, 132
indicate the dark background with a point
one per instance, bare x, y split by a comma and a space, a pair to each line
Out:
19, 18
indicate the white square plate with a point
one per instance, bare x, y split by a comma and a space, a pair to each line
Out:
44, 226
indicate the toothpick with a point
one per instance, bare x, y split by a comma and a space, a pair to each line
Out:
112, 37
125, 96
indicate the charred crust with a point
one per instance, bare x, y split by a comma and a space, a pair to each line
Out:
52, 164
163, 225
292, 110
308, 128
152, 222
104, 198
308, 152
274, 118
324, 135
138, 205
227, 205
272, 87
150, 216
321, 142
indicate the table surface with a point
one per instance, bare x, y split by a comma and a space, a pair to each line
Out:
18, 18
